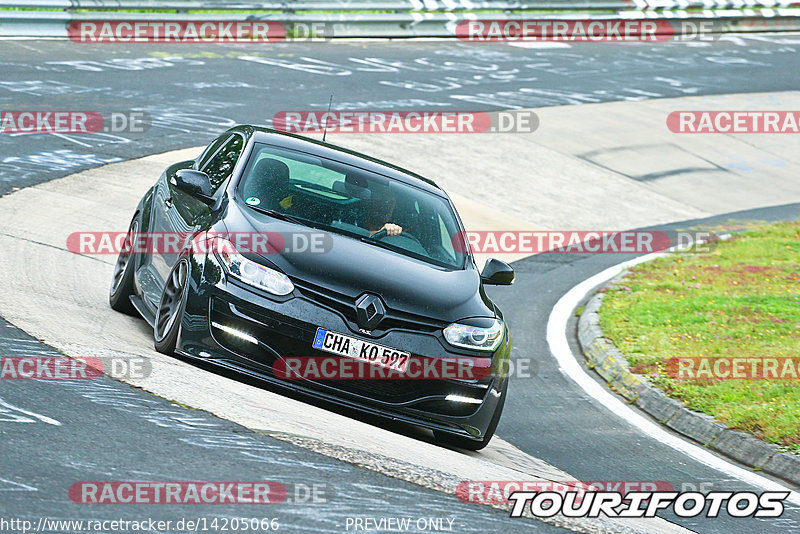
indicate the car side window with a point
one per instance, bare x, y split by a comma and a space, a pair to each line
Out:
209, 151
220, 166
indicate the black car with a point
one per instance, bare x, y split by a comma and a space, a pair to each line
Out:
358, 259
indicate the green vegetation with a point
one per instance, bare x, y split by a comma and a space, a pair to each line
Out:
742, 299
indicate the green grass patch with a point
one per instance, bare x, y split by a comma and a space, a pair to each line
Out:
742, 299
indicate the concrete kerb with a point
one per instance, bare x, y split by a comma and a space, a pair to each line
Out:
602, 356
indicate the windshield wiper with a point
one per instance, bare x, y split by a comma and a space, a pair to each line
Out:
304, 222
405, 252
365, 239
283, 216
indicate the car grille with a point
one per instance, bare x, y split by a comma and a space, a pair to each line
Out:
346, 307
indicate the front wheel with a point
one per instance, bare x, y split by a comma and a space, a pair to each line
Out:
170, 308
119, 296
450, 440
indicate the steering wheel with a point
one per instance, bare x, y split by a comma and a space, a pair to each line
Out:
382, 234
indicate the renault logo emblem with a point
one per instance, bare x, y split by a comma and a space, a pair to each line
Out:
369, 311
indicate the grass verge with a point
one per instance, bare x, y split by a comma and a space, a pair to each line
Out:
742, 299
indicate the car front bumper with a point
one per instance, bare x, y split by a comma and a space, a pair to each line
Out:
270, 328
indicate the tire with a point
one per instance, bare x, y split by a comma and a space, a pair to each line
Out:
170, 308
122, 283
449, 440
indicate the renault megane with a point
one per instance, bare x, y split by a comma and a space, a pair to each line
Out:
347, 258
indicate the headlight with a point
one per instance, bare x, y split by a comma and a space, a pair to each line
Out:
475, 337
250, 272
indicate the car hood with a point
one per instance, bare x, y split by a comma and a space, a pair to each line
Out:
350, 267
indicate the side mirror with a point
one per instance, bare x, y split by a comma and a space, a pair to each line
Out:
196, 183
497, 273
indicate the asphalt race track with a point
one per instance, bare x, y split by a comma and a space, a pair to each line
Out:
100, 429
108, 430
193, 92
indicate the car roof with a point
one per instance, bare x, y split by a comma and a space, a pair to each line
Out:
337, 153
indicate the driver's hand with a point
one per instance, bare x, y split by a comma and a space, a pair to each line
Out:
392, 229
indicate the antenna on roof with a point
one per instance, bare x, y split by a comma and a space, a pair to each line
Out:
325, 131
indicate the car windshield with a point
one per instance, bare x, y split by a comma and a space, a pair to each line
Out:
351, 201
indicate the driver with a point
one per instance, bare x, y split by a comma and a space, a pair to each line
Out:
380, 209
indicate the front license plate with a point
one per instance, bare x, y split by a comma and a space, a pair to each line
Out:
360, 349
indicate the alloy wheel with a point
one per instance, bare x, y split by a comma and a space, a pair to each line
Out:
171, 299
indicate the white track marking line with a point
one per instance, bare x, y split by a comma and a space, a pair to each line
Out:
568, 364
15, 486
540, 44
42, 418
